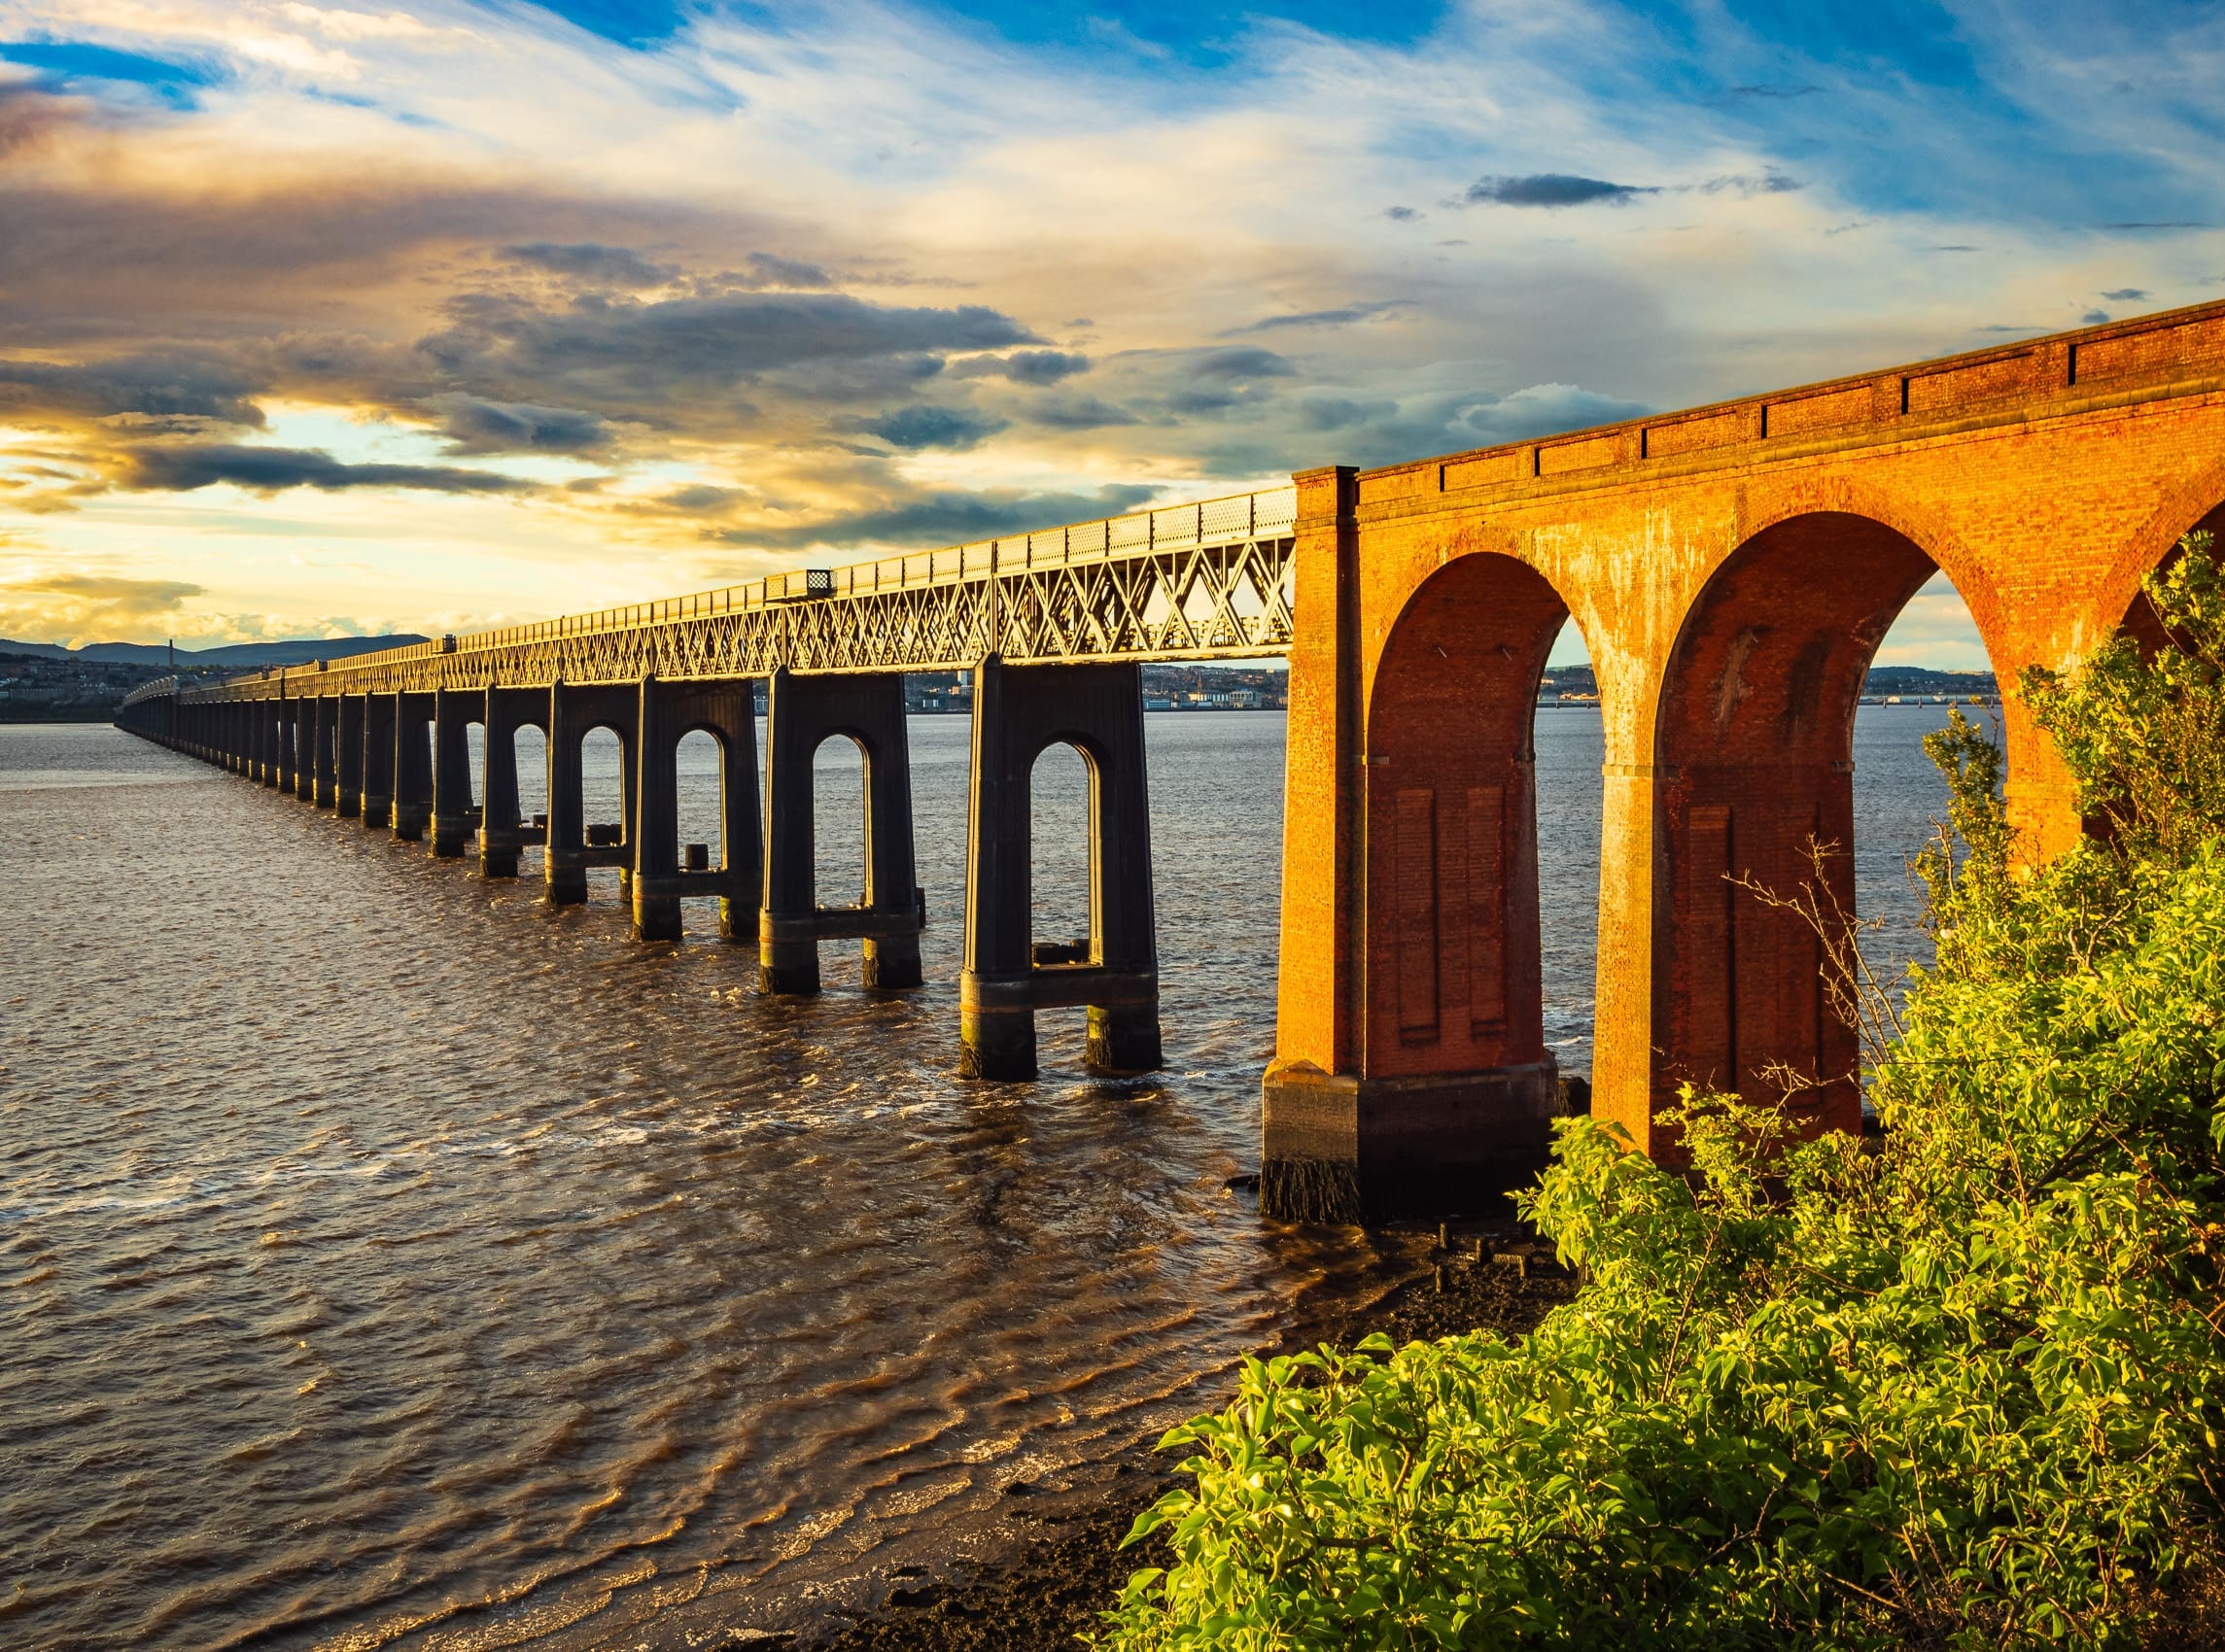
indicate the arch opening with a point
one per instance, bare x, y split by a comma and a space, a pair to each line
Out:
1761, 871
699, 767
841, 821
475, 771
529, 749
1452, 915
1061, 854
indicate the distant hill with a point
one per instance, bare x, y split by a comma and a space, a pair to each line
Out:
243, 655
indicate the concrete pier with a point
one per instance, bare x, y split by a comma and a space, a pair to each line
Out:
572, 715
501, 834
348, 755
412, 765
667, 713
803, 712
377, 776
1018, 711
455, 817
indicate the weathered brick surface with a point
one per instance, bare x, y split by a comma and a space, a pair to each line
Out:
1733, 570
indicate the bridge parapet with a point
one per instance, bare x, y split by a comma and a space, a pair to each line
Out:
1206, 580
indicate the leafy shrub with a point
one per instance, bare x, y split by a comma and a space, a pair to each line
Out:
1963, 1385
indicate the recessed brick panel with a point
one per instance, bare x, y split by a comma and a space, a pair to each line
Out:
2164, 351
1479, 471
1834, 410
1979, 382
1696, 435
1589, 454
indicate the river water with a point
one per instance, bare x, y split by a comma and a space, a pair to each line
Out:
387, 1260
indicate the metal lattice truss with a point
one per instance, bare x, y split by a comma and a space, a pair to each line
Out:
1196, 582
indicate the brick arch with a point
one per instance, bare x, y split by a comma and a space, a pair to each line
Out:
1450, 921
2196, 504
1754, 757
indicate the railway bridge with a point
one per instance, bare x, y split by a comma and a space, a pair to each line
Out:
1731, 568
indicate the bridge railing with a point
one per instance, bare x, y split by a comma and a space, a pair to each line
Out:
1269, 513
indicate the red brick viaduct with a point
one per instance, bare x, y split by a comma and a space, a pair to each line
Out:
1733, 570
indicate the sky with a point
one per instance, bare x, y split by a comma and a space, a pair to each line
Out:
321, 319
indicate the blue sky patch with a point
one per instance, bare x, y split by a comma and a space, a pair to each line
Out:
72, 64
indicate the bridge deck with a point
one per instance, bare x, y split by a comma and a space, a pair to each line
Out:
1203, 581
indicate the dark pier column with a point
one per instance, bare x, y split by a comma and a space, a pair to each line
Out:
377, 773
501, 834
235, 737
325, 772
668, 712
454, 821
306, 748
803, 712
574, 842
412, 765
266, 742
1018, 712
349, 754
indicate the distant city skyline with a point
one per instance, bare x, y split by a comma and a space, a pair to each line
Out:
326, 319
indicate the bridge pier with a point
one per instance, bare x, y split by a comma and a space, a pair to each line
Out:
454, 819
323, 770
1018, 711
377, 776
412, 765
1411, 1073
267, 740
300, 742
501, 834
573, 713
803, 712
348, 755
666, 714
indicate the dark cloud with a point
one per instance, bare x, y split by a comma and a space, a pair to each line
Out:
1551, 189
2126, 294
1953, 247
699, 496
945, 519
474, 426
1343, 316
591, 261
597, 347
1401, 214
267, 470
913, 429
1242, 364
1768, 182
1078, 413
768, 270
1022, 366
154, 387
2160, 224
2093, 318
1770, 93
1336, 412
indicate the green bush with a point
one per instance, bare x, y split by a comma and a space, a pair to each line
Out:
1961, 1385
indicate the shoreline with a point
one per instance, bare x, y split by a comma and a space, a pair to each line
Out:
1057, 1564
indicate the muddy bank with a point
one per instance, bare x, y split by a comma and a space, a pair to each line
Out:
1064, 1562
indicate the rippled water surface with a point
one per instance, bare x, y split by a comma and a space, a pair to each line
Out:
387, 1259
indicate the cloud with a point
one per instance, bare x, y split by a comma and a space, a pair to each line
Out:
2158, 224
1552, 189
1022, 366
73, 607
945, 518
1772, 93
768, 270
268, 469
1401, 214
152, 387
601, 348
2093, 318
1078, 413
476, 426
589, 260
2126, 294
1343, 316
913, 429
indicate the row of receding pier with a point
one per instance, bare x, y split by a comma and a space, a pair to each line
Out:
400, 762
